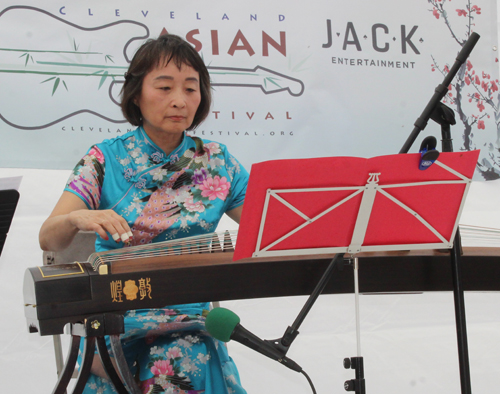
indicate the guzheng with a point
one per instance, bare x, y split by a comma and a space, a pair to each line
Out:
203, 270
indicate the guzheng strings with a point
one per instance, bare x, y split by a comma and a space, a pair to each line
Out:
207, 243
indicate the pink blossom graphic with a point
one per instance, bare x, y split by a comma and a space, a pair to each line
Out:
480, 106
213, 148
174, 352
476, 86
162, 367
192, 206
216, 187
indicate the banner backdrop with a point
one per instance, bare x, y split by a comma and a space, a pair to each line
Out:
291, 79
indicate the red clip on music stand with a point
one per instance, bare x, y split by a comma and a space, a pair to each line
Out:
352, 205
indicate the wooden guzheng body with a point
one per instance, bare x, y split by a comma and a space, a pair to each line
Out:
57, 295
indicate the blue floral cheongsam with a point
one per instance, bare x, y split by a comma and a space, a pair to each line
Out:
165, 197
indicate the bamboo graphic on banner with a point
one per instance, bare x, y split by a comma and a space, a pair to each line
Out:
60, 69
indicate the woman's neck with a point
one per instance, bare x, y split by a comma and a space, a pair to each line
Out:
165, 141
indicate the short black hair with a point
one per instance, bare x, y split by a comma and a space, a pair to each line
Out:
166, 48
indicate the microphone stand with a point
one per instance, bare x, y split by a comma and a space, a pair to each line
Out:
445, 116
283, 344
440, 92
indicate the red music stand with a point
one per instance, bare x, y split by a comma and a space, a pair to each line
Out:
352, 205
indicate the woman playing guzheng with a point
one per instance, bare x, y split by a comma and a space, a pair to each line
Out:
153, 184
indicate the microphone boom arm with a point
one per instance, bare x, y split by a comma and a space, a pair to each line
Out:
440, 92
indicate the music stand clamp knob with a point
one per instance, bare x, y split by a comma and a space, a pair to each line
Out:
349, 385
357, 385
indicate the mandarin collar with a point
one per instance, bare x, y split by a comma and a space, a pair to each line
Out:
157, 154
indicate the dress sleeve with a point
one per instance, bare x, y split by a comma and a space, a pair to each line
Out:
87, 178
239, 181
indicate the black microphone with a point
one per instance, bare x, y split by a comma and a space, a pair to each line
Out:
428, 153
224, 325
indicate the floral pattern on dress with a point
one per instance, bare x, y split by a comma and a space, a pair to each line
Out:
88, 176
166, 196
168, 351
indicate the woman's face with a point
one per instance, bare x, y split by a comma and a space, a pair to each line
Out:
169, 99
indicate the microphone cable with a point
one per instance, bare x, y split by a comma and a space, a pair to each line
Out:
309, 380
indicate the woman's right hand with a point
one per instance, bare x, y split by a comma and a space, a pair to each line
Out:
102, 222
71, 215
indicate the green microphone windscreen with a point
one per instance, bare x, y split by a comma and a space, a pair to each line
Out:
220, 323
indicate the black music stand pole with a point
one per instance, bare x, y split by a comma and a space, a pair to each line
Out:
446, 117
443, 115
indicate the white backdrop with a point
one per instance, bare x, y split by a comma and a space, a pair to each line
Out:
327, 79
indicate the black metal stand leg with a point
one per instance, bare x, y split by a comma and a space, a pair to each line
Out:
88, 357
108, 366
94, 329
445, 117
69, 366
458, 293
121, 364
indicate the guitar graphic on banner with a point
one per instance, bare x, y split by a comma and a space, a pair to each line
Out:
52, 69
